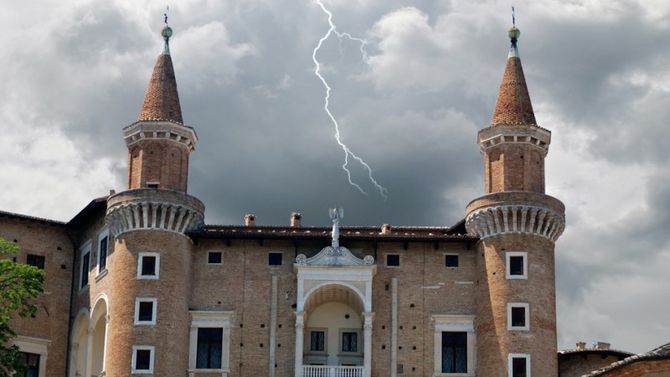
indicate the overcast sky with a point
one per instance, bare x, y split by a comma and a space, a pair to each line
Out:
74, 73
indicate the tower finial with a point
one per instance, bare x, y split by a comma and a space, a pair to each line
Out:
166, 32
514, 34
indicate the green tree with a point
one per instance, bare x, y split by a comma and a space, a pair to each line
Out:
20, 284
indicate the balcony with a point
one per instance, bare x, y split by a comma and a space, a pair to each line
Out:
331, 371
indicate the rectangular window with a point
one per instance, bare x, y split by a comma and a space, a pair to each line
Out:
210, 340
517, 265
85, 265
275, 259
214, 257
392, 260
519, 365
148, 266
317, 341
145, 311
32, 362
451, 260
143, 360
517, 316
35, 260
349, 341
103, 247
454, 352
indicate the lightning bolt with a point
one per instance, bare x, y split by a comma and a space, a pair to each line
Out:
317, 71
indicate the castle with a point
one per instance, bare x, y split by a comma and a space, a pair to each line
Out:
138, 284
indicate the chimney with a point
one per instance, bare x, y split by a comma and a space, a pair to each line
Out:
250, 219
581, 346
386, 229
295, 219
602, 346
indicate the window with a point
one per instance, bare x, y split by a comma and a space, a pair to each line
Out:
517, 266
103, 247
35, 260
148, 266
518, 365
153, 185
143, 360
317, 341
392, 260
32, 362
85, 266
145, 311
454, 347
349, 341
215, 257
454, 352
210, 341
517, 316
451, 260
275, 259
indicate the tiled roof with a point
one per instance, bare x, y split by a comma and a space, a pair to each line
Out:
662, 352
360, 233
513, 106
618, 353
161, 101
31, 218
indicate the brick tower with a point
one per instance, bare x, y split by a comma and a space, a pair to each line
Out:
150, 264
517, 225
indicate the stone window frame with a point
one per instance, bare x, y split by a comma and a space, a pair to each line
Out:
386, 261
444, 256
37, 346
85, 249
526, 307
359, 342
32, 255
152, 356
214, 251
508, 256
104, 232
154, 311
307, 345
512, 356
211, 319
457, 323
140, 260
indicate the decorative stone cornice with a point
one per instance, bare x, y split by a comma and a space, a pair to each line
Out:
516, 213
160, 130
535, 136
159, 209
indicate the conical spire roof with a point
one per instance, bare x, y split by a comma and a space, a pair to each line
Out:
513, 106
161, 101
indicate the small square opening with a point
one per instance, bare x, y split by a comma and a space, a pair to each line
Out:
214, 257
451, 260
392, 260
275, 259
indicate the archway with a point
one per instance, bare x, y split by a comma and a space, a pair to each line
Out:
98, 337
79, 346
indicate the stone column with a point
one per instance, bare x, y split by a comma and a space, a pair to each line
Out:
367, 343
88, 364
299, 326
104, 345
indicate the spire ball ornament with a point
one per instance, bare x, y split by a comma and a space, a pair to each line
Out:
166, 32
514, 34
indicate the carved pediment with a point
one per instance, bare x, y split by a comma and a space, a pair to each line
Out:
334, 256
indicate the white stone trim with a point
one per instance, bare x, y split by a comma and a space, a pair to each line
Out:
83, 251
37, 346
154, 311
104, 232
135, 215
512, 356
508, 256
515, 219
152, 356
160, 130
526, 308
140, 261
214, 319
454, 322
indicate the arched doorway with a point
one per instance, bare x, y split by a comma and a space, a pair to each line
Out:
334, 327
98, 337
79, 346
